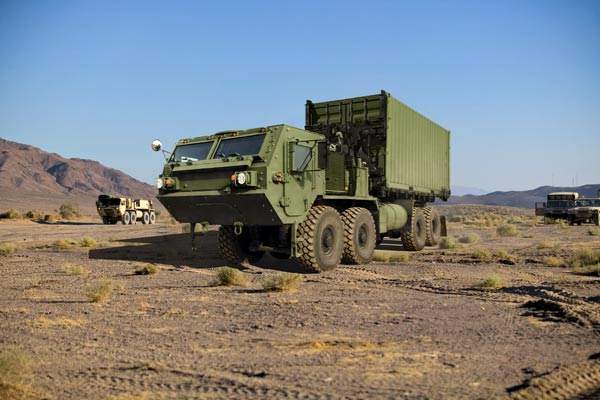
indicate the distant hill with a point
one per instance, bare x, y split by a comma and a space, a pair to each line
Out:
31, 178
464, 190
525, 199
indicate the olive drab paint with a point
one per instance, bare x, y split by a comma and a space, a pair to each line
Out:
366, 159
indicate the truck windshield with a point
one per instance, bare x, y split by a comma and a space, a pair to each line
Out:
191, 152
239, 146
108, 201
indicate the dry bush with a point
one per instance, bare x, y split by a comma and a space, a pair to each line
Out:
553, 261
148, 269
16, 369
506, 230
87, 241
590, 270
594, 232
227, 276
7, 248
504, 256
547, 244
50, 218
284, 282
456, 218
64, 244
491, 282
10, 214
60, 322
469, 238
482, 255
584, 258
101, 291
78, 270
391, 256
34, 214
447, 243
68, 211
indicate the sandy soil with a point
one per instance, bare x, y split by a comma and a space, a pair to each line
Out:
417, 329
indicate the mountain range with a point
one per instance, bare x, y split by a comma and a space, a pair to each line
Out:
31, 178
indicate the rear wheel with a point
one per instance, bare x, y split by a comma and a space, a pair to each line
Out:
433, 225
146, 217
133, 217
234, 248
414, 233
360, 235
126, 219
152, 217
320, 241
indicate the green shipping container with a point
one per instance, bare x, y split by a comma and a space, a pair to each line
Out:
406, 152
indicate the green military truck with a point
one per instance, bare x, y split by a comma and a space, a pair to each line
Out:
557, 205
363, 169
128, 211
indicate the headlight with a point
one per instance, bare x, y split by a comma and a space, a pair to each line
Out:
242, 178
159, 183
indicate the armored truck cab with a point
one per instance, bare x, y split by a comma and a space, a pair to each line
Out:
320, 195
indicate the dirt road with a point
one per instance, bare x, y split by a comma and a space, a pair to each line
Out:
417, 329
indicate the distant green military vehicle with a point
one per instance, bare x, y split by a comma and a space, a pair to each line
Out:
557, 205
363, 169
128, 211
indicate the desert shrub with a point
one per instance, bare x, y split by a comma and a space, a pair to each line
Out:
148, 269
227, 276
391, 256
49, 218
469, 238
448, 243
71, 269
551, 221
10, 214
507, 230
7, 249
504, 256
591, 270
594, 232
87, 241
284, 282
101, 291
481, 255
584, 258
455, 218
34, 214
546, 244
15, 371
63, 244
553, 261
491, 282
68, 211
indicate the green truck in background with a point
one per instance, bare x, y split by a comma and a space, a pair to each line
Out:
362, 169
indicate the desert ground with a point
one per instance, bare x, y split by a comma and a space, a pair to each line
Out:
498, 314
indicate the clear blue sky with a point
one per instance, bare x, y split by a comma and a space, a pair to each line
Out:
517, 82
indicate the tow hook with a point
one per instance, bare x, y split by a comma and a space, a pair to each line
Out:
238, 227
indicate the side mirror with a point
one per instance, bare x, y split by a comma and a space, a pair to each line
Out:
156, 145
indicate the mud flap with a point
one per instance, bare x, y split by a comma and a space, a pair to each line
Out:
443, 225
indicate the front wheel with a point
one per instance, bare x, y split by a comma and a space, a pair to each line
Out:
320, 241
234, 248
360, 235
126, 219
433, 227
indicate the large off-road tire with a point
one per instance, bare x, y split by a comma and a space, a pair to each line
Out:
433, 226
234, 248
319, 239
105, 220
126, 218
414, 233
146, 218
152, 217
360, 236
133, 217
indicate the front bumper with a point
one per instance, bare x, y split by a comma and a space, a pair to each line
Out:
220, 209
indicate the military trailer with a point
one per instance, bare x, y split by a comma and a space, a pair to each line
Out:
557, 205
363, 169
124, 209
